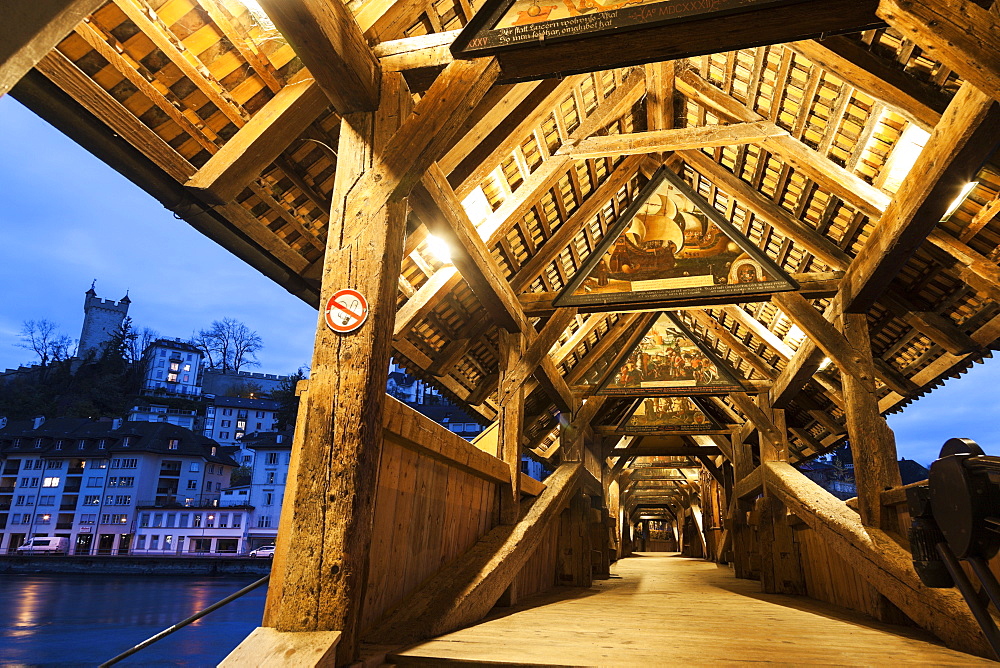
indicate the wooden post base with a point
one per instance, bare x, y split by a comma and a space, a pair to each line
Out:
266, 646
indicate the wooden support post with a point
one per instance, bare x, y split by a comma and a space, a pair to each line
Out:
512, 345
573, 552
738, 509
872, 441
321, 566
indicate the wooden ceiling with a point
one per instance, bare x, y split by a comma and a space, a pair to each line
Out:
204, 104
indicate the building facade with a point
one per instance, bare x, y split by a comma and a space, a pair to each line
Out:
173, 368
229, 419
90, 480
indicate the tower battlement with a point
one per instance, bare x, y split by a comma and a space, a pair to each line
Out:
101, 317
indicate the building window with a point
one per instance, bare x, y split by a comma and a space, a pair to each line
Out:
269, 498
102, 444
224, 435
226, 423
39, 464
192, 484
157, 519
154, 542
140, 543
47, 500
81, 444
45, 518
171, 518
38, 442
173, 443
195, 467
91, 500
223, 520
237, 518
270, 478
264, 522
168, 542
124, 463
93, 482
121, 481
21, 500
51, 482
59, 444
126, 441
171, 377
227, 411
182, 521
272, 458
196, 520
88, 518
54, 464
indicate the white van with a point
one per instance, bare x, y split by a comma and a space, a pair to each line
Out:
47, 544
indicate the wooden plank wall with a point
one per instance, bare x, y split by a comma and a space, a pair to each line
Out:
829, 578
427, 512
539, 573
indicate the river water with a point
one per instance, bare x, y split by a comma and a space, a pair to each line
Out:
84, 620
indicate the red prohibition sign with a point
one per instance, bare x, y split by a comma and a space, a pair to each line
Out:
346, 311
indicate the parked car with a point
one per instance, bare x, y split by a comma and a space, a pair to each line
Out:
50, 544
265, 552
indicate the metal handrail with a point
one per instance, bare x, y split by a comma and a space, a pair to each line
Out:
181, 624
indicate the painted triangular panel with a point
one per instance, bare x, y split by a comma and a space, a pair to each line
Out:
669, 414
671, 246
669, 361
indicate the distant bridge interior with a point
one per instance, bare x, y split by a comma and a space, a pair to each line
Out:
686, 254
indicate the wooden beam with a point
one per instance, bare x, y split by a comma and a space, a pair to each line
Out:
535, 353
735, 344
666, 451
321, 564
672, 140
440, 209
824, 335
32, 28
511, 421
779, 218
464, 590
581, 422
260, 141
818, 285
832, 177
660, 94
423, 137
410, 53
951, 157
877, 558
760, 419
960, 34
864, 70
872, 442
330, 43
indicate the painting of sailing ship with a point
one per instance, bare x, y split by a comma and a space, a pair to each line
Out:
674, 247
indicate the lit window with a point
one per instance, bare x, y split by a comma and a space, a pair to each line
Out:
51, 482
173, 443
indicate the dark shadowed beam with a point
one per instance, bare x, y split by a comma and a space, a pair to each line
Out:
330, 43
29, 29
960, 34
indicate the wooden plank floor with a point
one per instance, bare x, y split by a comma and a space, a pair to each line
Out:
663, 609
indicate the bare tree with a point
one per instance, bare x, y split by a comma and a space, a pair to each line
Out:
229, 345
42, 338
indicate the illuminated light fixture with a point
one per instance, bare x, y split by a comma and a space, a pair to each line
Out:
439, 249
825, 364
966, 189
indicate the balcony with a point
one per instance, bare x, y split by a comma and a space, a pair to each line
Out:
64, 525
7, 489
180, 501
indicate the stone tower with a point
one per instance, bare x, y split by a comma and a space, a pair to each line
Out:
101, 317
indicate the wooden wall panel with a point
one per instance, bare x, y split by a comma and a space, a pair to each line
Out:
539, 573
829, 578
427, 512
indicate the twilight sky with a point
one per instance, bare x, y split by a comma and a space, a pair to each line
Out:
66, 219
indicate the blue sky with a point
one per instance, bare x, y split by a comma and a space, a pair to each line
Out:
66, 219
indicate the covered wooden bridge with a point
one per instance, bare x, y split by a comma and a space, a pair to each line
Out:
691, 245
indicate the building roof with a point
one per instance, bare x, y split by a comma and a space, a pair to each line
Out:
148, 437
240, 402
268, 440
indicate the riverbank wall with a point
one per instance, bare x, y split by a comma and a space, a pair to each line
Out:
129, 565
